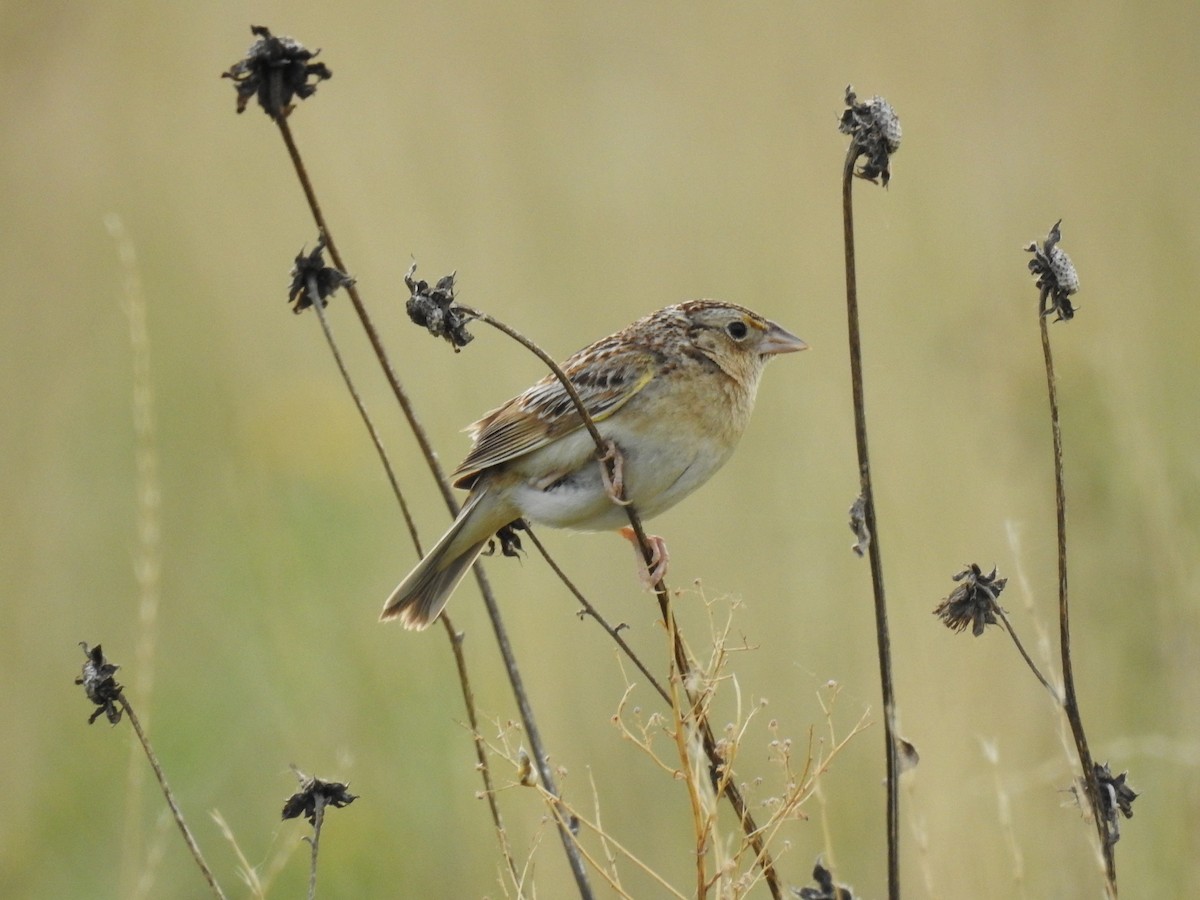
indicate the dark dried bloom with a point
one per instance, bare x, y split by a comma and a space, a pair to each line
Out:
313, 794
825, 889
858, 524
1115, 797
100, 685
275, 69
510, 541
973, 602
310, 271
1056, 276
875, 133
434, 309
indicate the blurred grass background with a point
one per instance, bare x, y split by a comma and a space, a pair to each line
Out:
580, 166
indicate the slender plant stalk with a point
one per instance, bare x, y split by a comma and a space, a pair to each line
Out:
1070, 700
318, 821
170, 797
864, 473
682, 660
589, 610
1025, 655
489, 788
683, 738
456, 638
575, 860
376, 440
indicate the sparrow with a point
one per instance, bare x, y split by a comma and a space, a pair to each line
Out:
671, 395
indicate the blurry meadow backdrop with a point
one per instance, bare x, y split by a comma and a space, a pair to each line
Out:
578, 166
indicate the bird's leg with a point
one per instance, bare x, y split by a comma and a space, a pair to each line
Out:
614, 481
649, 575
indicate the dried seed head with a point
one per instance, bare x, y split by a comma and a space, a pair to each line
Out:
100, 685
1056, 276
275, 69
973, 602
825, 888
1115, 797
313, 794
875, 133
309, 271
434, 309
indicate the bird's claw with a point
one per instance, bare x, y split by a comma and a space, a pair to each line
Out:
614, 481
652, 573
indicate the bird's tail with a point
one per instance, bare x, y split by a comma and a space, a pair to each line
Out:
420, 598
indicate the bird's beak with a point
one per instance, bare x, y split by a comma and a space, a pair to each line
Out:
780, 340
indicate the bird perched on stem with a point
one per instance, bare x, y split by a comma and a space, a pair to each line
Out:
671, 394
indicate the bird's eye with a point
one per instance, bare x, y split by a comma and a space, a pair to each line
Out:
737, 330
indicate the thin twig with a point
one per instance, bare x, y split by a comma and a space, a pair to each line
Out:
684, 724
864, 473
489, 789
588, 609
1070, 700
455, 637
513, 673
315, 840
166, 789
376, 439
1025, 655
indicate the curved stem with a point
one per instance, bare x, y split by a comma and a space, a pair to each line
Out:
1070, 701
376, 440
188, 838
864, 472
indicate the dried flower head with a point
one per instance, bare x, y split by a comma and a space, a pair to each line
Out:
100, 685
309, 273
275, 69
313, 794
1115, 797
510, 541
1056, 276
434, 309
973, 602
825, 889
875, 133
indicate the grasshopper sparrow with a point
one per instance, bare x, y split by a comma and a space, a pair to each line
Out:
672, 394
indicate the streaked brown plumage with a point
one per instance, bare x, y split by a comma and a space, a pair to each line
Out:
672, 392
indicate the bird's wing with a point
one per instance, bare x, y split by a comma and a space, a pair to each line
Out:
606, 376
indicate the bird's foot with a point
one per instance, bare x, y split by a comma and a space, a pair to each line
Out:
614, 480
649, 574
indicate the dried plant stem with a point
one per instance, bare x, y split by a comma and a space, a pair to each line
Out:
376, 440
455, 637
540, 756
170, 797
315, 840
679, 651
1070, 701
684, 726
589, 610
489, 788
561, 809
1025, 655
864, 473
